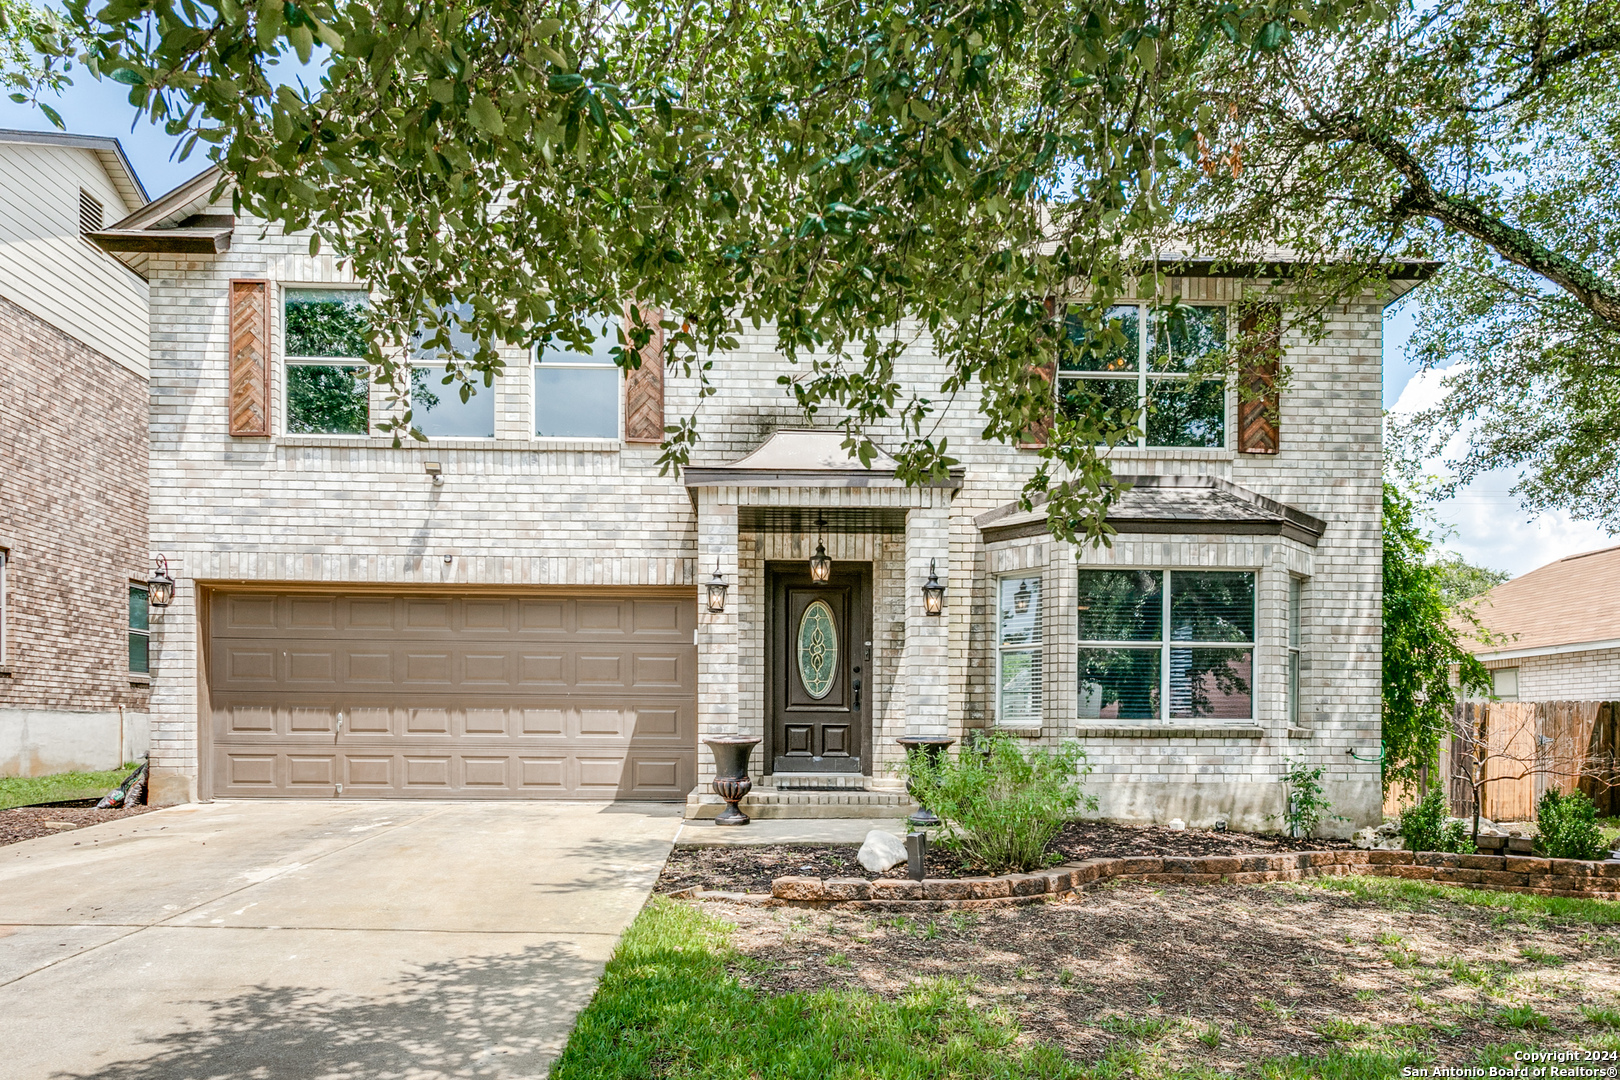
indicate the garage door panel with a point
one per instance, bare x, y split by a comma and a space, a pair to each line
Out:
445, 696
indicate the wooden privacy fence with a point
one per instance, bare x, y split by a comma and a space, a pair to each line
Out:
1525, 748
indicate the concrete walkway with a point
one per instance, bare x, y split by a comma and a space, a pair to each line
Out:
316, 940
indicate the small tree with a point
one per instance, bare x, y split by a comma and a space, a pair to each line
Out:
1498, 743
1421, 647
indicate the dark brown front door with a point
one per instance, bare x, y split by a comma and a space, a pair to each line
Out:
820, 658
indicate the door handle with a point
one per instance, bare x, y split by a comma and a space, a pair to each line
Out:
857, 685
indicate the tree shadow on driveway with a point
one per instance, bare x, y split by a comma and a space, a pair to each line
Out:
501, 1016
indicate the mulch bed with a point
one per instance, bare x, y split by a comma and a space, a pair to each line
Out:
29, 822
1212, 976
751, 869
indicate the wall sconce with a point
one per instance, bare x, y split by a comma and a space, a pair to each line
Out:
820, 562
160, 587
435, 470
933, 592
717, 590
1021, 598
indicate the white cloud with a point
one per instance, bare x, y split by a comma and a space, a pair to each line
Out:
1486, 524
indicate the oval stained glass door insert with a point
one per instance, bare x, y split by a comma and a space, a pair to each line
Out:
818, 649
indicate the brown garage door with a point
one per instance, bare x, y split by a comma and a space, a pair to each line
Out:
432, 696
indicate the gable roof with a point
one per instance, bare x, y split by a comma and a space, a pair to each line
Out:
181, 220
108, 150
1572, 602
1173, 505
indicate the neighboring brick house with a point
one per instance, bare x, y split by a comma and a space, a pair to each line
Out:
1557, 631
73, 489
518, 608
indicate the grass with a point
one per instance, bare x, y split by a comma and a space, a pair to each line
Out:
669, 1007
1403, 895
58, 787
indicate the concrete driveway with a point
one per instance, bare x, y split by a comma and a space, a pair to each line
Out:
316, 940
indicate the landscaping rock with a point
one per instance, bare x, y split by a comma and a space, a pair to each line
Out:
1177, 825
881, 851
1366, 839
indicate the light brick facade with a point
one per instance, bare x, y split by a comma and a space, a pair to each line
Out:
515, 512
1587, 675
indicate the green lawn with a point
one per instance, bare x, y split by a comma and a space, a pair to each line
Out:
27, 790
668, 1007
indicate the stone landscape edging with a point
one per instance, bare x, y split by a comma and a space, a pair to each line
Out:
1504, 873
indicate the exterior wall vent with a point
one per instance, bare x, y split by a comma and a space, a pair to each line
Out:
90, 212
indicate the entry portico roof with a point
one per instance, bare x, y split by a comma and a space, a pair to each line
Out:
800, 457
1172, 505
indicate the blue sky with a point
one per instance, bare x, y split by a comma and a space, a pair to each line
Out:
1484, 522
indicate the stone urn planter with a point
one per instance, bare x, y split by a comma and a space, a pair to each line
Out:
932, 748
731, 781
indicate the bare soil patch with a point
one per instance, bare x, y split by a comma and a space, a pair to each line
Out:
751, 869
1216, 976
31, 822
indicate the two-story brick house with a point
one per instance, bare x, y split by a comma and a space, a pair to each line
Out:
73, 364
519, 607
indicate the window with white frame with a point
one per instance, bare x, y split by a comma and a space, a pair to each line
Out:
140, 630
1149, 356
1296, 591
5, 608
1018, 651
442, 405
324, 346
576, 382
1143, 658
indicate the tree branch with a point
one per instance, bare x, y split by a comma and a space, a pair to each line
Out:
1422, 199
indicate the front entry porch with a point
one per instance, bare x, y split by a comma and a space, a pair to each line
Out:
827, 673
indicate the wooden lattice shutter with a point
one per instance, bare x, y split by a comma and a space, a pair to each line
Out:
1259, 401
250, 358
644, 386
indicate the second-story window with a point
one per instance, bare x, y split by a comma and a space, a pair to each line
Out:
1150, 358
443, 406
576, 383
325, 344
140, 631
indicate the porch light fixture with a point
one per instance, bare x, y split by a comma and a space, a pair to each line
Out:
717, 590
933, 592
160, 587
820, 562
1021, 599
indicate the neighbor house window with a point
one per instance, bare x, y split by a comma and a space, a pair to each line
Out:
1149, 358
1018, 651
1505, 684
325, 345
443, 406
140, 631
576, 383
1143, 658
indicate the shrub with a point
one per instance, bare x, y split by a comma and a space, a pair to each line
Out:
1427, 827
1002, 807
1305, 808
1569, 827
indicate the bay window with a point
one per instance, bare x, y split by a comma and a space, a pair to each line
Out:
1018, 652
1166, 644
